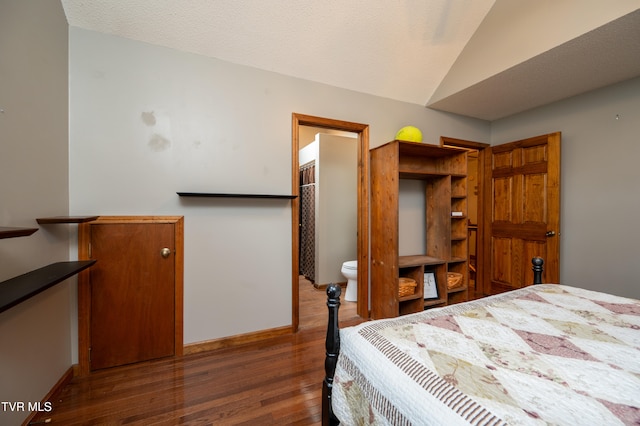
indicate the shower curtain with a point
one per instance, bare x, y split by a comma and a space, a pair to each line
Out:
307, 220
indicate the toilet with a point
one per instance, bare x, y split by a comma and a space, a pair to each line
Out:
350, 272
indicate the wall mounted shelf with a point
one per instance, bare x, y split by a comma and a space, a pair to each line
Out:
10, 232
223, 195
23, 287
66, 219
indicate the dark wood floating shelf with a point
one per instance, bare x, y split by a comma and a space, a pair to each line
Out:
6, 232
23, 287
66, 219
222, 195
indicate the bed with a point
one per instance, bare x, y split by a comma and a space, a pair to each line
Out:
543, 354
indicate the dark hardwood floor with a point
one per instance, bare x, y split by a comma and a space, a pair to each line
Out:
274, 382
311, 315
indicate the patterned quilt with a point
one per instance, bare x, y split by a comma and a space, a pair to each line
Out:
545, 354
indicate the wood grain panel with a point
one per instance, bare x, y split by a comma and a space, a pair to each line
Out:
535, 198
534, 154
502, 190
132, 293
502, 160
502, 260
384, 224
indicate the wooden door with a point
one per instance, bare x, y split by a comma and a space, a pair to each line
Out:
522, 213
134, 293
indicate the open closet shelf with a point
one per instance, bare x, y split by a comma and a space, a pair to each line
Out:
66, 219
417, 260
9, 232
23, 287
444, 173
223, 195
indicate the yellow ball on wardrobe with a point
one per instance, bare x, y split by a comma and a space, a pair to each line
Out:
409, 134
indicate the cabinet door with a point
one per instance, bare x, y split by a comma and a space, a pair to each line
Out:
522, 213
132, 293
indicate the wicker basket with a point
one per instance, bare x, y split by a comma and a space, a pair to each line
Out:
406, 287
454, 280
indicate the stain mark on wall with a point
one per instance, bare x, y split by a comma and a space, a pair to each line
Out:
148, 118
159, 143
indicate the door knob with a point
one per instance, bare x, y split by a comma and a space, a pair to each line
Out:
165, 252
551, 233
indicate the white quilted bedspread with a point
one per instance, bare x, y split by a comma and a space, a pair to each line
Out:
545, 354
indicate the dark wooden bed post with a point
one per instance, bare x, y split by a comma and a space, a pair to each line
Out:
537, 269
332, 345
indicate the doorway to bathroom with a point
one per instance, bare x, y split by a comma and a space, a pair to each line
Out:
328, 203
329, 216
328, 220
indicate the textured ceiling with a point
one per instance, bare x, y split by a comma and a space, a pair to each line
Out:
398, 49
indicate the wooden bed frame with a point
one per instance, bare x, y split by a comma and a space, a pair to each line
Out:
332, 342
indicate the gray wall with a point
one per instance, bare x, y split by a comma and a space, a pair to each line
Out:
336, 213
35, 348
148, 121
336, 206
600, 198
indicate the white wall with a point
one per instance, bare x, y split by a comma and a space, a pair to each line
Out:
35, 348
219, 127
600, 181
336, 206
308, 153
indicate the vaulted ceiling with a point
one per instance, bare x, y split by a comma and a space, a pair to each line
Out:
480, 58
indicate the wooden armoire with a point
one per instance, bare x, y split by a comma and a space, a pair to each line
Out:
444, 171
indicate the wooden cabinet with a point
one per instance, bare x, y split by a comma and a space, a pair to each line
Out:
444, 171
130, 308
